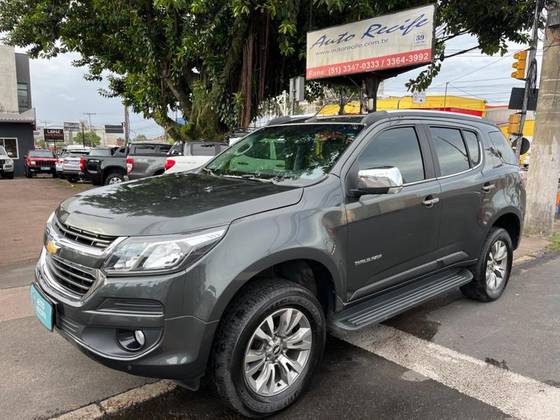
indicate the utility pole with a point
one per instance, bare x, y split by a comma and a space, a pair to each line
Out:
529, 78
82, 125
126, 126
544, 168
89, 114
445, 97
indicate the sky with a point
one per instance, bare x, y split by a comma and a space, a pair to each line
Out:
60, 92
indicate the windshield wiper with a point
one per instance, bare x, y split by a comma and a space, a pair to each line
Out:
249, 177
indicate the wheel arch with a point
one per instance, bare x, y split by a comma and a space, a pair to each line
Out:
311, 269
509, 219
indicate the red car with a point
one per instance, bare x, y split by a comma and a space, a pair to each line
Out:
40, 162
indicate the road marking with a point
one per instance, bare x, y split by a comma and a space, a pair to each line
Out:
119, 402
15, 303
513, 394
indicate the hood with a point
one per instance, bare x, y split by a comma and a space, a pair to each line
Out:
175, 203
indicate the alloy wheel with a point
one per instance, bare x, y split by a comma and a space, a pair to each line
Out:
278, 352
496, 265
114, 180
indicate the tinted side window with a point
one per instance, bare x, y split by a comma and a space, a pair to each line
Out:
503, 148
450, 149
472, 145
396, 147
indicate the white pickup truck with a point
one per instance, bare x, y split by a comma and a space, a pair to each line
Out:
186, 156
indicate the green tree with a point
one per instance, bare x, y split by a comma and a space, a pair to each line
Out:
88, 139
217, 61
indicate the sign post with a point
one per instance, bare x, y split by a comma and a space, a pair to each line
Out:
372, 50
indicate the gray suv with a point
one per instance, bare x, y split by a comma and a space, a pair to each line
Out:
235, 271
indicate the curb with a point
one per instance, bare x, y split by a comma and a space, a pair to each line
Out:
119, 402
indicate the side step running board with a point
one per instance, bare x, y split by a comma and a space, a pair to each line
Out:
384, 306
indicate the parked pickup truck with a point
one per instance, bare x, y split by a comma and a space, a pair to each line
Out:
186, 156
105, 165
236, 270
146, 159
71, 168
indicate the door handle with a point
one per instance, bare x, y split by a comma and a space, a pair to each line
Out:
488, 187
430, 200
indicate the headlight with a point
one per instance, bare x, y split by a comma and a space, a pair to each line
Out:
160, 253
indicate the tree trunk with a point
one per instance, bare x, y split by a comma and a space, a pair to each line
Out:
247, 79
544, 167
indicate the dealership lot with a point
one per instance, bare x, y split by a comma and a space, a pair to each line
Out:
451, 358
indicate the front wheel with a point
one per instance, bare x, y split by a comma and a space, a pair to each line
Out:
267, 347
491, 272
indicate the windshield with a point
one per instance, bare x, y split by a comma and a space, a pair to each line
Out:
302, 152
41, 153
3, 151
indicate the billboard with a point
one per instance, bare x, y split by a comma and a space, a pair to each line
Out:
53, 134
71, 126
114, 129
402, 39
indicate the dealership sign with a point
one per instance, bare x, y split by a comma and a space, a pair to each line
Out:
54, 134
402, 39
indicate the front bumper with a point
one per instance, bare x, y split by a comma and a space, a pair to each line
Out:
177, 345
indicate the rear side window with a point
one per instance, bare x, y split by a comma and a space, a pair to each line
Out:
450, 149
396, 147
203, 150
502, 147
164, 148
145, 149
473, 147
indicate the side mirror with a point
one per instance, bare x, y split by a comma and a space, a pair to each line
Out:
385, 180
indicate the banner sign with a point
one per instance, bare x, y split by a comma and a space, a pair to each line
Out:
114, 129
53, 134
403, 39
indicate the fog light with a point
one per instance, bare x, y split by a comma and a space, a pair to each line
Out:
131, 340
140, 338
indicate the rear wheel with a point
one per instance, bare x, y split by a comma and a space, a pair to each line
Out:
492, 271
114, 177
267, 347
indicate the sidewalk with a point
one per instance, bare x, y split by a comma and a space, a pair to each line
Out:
531, 247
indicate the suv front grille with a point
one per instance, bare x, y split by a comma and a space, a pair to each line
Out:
75, 279
83, 236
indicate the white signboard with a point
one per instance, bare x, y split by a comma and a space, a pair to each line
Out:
402, 39
419, 97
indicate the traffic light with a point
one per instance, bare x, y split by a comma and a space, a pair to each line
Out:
519, 65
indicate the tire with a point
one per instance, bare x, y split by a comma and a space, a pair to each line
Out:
272, 299
28, 173
114, 177
483, 287
72, 179
8, 175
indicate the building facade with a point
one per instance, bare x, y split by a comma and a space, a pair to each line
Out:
17, 116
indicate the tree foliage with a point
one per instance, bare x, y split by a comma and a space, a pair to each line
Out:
216, 61
88, 139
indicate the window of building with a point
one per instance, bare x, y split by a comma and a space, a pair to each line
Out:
450, 149
11, 146
502, 147
23, 97
396, 147
473, 147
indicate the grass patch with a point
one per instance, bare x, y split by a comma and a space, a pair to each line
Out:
554, 242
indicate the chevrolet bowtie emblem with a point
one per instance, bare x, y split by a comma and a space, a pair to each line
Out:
52, 248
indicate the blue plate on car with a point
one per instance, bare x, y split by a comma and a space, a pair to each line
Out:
42, 307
